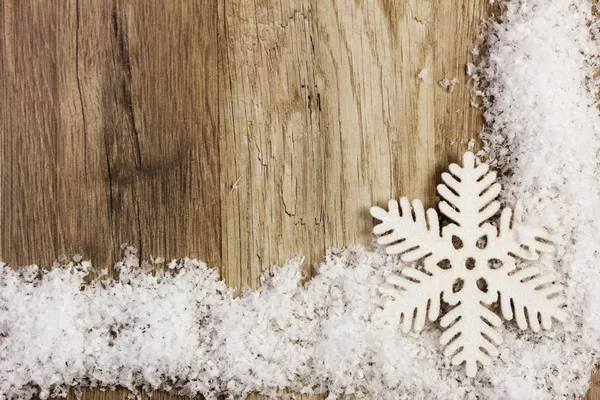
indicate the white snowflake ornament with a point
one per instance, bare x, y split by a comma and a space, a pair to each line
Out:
471, 265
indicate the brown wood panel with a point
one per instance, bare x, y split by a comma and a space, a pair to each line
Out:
109, 130
271, 146
29, 121
239, 132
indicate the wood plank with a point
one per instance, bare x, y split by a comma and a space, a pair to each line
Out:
109, 138
594, 390
29, 123
271, 147
170, 59
456, 122
386, 130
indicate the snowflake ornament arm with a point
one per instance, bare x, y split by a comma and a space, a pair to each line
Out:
470, 265
411, 232
415, 236
534, 296
470, 334
399, 300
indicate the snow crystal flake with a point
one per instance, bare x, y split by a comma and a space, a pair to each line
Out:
449, 84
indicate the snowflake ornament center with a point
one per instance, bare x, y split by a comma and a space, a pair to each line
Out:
469, 264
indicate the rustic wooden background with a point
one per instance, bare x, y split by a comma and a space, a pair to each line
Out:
238, 132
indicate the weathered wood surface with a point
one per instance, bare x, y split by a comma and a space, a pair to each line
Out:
238, 132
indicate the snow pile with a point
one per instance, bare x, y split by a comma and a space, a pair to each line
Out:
181, 329
536, 82
145, 329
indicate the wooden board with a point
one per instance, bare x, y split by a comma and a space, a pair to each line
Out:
238, 132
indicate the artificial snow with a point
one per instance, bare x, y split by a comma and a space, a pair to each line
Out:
181, 329
449, 84
537, 88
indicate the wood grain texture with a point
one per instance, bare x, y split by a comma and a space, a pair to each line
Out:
238, 132
109, 130
271, 147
